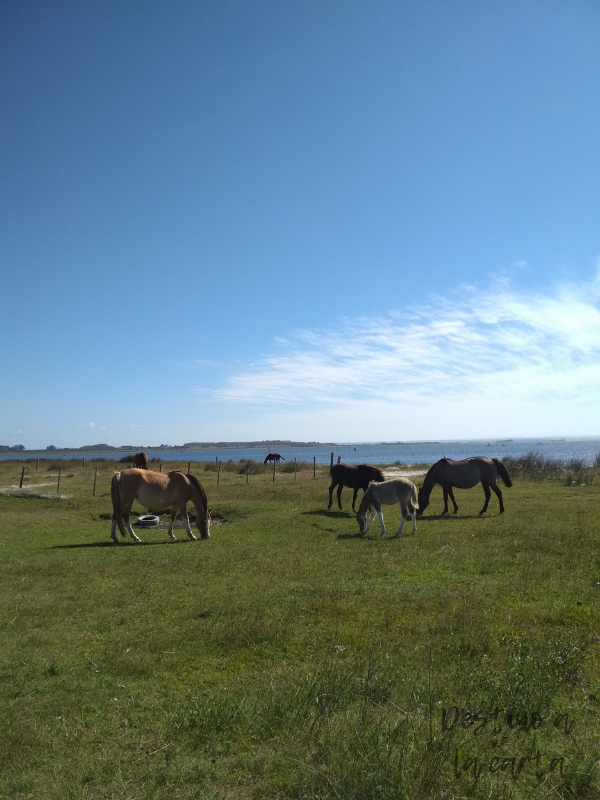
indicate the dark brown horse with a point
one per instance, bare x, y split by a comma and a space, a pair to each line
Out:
464, 475
140, 461
358, 477
274, 457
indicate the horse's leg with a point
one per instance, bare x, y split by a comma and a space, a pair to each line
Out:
380, 515
413, 514
445, 490
339, 496
371, 518
451, 496
126, 513
402, 519
187, 525
488, 494
498, 494
331, 488
173, 515
113, 529
354, 497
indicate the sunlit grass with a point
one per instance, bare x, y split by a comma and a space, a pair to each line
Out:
287, 656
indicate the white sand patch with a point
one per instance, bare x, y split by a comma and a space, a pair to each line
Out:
401, 472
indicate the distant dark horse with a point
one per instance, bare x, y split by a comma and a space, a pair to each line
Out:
464, 475
274, 457
358, 477
140, 460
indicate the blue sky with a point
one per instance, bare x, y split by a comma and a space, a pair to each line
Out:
334, 221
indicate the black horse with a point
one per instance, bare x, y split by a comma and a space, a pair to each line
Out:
464, 474
274, 457
358, 477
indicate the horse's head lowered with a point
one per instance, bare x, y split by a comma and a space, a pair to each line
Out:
203, 525
423, 501
361, 518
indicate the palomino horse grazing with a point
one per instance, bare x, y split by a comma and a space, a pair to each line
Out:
398, 490
464, 475
274, 457
140, 460
157, 490
358, 477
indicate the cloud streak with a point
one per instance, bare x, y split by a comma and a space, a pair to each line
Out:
446, 347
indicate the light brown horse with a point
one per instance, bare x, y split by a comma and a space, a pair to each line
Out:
157, 490
464, 474
140, 460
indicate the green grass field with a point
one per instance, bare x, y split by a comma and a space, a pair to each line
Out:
287, 657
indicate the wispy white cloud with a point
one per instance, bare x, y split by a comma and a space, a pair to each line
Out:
88, 425
481, 347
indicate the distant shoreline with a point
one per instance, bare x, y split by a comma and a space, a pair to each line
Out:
100, 449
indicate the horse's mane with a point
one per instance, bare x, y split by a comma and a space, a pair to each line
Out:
197, 485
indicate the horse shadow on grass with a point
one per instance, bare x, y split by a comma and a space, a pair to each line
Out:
121, 544
329, 514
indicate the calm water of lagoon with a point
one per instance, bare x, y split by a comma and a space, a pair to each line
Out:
565, 449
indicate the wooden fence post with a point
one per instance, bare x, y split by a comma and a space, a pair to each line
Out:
83, 463
160, 467
37, 463
189, 463
58, 484
273, 470
247, 473
21, 481
294, 469
331, 462
339, 459
218, 470
95, 478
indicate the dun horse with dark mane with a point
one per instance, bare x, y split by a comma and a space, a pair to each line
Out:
157, 490
355, 477
464, 475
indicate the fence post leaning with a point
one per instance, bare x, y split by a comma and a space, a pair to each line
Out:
189, 463
95, 478
21, 481
58, 484
273, 470
294, 469
314, 468
218, 470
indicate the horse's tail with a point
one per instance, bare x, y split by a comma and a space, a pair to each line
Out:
414, 498
502, 472
115, 496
